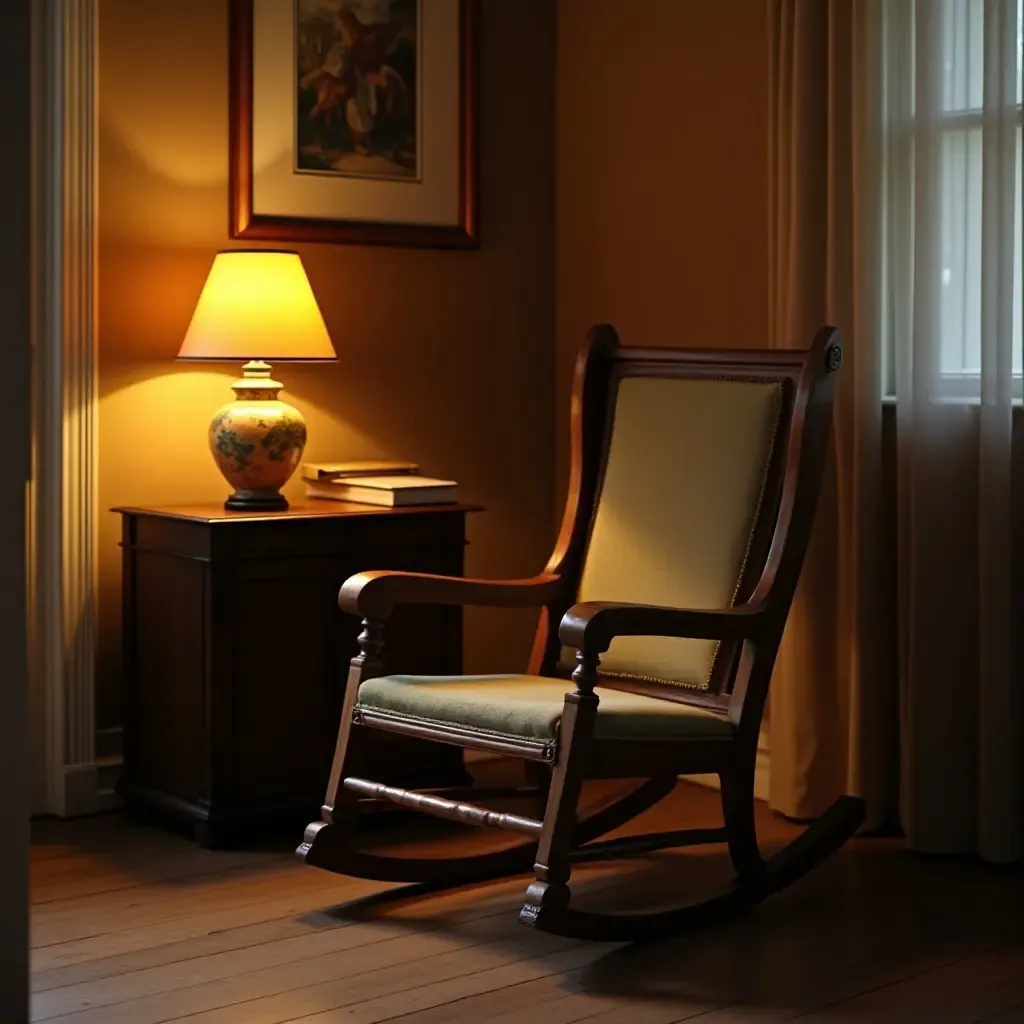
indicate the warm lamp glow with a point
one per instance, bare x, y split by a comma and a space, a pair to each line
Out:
257, 307
257, 304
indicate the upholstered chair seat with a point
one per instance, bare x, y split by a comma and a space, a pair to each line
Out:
529, 708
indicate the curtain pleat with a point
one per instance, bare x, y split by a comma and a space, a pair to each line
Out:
999, 728
832, 711
895, 212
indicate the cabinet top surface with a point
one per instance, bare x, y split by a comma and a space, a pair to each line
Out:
311, 508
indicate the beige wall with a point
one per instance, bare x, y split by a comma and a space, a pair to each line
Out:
446, 357
661, 176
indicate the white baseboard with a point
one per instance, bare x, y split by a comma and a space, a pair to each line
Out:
109, 758
88, 788
82, 793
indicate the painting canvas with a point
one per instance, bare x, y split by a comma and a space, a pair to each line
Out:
357, 64
354, 121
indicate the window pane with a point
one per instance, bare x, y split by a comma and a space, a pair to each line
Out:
1018, 270
960, 351
1020, 55
959, 35
961, 252
963, 54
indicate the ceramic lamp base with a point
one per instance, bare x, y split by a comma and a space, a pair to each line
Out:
257, 441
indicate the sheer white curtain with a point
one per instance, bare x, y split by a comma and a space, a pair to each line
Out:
951, 328
895, 212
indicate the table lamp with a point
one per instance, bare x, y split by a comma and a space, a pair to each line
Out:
257, 307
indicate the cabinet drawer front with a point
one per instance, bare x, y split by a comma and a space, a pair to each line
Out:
330, 537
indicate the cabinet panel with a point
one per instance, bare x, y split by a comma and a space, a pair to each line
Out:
284, 684
165, 716
236, 658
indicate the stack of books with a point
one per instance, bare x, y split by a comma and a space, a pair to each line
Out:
376, 482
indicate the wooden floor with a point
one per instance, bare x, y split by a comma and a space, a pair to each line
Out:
132, 925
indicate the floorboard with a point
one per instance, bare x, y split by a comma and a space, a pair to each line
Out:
135, 925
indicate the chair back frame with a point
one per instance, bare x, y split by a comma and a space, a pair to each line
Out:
742, 672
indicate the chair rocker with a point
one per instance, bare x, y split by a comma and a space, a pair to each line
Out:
695, 476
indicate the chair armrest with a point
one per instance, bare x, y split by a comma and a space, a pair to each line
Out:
593, 624
372, 595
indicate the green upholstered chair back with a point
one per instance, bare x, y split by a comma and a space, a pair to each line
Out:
685, 477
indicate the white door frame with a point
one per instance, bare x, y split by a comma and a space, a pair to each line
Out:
62, 509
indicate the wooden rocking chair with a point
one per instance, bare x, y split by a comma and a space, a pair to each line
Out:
695, 476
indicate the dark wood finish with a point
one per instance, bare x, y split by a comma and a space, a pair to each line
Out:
592, 625
326, 844
133, 925
439, 807
805, 852
537, 751
737, 785
749, 632
235, 656
550, 888
375, 594
311, 508
247, 224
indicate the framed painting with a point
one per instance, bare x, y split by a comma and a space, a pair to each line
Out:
354, 121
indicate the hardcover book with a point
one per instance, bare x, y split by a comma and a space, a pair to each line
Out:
356, 467
393, 490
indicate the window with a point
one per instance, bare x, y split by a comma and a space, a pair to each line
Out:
958, 42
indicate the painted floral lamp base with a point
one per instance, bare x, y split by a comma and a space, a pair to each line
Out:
257, 441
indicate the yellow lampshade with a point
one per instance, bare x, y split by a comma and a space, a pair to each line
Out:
257, 304
256, 308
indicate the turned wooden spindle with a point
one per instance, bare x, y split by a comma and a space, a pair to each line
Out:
371, 641
348, 754
585, 674
453, 810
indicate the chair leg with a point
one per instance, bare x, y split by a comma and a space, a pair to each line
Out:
738, 811
784, 868
549, 893
322, 839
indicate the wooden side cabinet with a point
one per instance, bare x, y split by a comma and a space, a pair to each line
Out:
236, 654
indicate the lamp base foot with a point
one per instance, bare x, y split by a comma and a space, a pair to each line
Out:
257, 503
